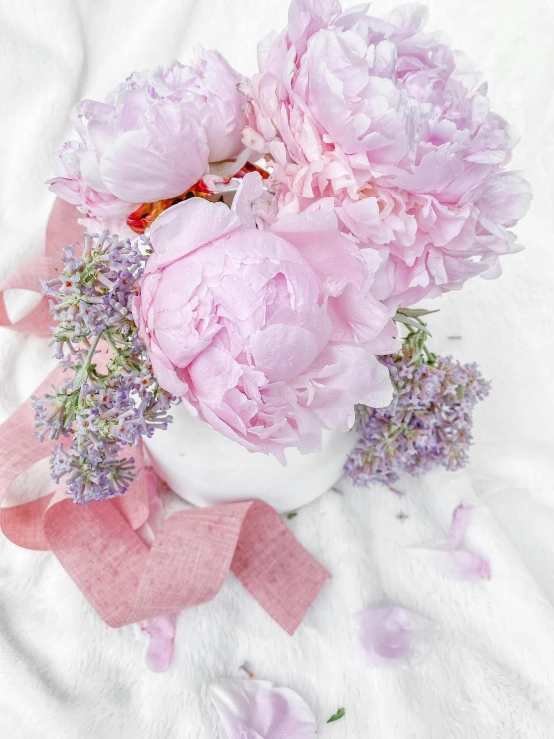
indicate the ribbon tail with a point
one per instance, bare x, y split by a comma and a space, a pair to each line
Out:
275, 568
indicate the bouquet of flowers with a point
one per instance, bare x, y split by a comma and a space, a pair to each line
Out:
368, 173
254, 249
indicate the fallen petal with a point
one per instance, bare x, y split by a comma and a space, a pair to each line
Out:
447, 555
458, 564
254, 709
161, 630
393, 635
460, 521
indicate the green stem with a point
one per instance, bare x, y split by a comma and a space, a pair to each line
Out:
112, 343
82, 374
431, 358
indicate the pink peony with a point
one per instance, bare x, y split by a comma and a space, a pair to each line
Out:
268, 336
153, 138
387, 126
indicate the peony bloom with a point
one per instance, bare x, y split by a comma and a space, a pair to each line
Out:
268, 336
153, 139
387, 126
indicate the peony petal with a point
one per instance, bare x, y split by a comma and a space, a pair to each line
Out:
251, 188
449, 557
393, 635
163, 162
457, 564
357, 377
283, 352
161, 630
254, 709
460, 521
212, 373
185, 227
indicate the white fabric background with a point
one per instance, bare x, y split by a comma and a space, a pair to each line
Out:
64, 675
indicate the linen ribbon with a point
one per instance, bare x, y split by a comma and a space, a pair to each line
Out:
123, 578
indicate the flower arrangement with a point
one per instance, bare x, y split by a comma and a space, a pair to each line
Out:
253, 250
371, 173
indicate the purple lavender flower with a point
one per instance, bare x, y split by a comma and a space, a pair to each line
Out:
427, 425
107, 409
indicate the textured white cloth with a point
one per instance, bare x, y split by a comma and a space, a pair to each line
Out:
64, 675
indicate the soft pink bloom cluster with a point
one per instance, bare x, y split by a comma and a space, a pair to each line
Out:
385, 125
389, 185
152, 139
267, 335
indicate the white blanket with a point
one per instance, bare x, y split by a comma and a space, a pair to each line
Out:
65, 675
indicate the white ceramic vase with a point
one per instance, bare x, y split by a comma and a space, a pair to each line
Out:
206, 468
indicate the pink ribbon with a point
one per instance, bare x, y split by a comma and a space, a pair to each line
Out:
62, 229
123, 578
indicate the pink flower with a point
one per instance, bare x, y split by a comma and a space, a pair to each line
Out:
450, 557
385, 124
153, 138
392, 635
70, 185
254, 709
269, 336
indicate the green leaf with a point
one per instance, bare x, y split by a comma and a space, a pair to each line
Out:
335, 717
413, 322
416, 312
291, 515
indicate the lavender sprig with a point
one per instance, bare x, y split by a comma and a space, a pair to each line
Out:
429, 422
104, 410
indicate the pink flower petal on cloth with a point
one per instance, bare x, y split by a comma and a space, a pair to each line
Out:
392, 635
460, 522
254, 709
457, 564
161, 630
449, 557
